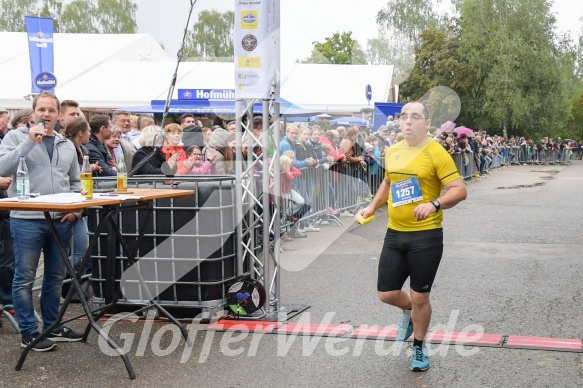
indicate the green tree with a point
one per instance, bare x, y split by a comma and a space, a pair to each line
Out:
116, 16
339, 49
78, 16
435, 63
576, 128
572, 86
211, 37
579, 60
515, 59
392, 49
100, 16
509, 72
411, 17
401, 24
435, 66
17, 9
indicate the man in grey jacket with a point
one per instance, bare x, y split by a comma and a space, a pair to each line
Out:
53, 168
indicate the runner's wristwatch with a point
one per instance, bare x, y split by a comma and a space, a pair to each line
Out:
437, 205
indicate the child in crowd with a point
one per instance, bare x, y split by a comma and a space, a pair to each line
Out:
194, 165
327, 150
293, 202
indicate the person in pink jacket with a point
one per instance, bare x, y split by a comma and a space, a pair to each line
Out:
194, 165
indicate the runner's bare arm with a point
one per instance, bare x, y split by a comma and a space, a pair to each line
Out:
454, 194
380, 198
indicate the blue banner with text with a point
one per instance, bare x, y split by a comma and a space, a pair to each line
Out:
39, 32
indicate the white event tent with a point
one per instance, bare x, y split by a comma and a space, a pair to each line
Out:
106, 71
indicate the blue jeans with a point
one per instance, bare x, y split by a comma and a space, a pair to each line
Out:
30, 236
482, 163
80, 243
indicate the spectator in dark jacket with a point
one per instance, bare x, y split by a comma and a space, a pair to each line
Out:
316, 145
193, 136
101, 131
304, 150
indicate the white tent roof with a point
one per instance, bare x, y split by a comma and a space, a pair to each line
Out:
335, 88
75, 55
104, 71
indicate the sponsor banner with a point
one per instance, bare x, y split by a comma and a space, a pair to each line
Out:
257, 49
39, 32
206, 94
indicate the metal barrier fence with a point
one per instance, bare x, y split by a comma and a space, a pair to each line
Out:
471, 165
327, 192
347, 187
531, 155
466, 164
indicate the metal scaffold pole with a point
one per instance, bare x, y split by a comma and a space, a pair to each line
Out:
257, 75
256, 179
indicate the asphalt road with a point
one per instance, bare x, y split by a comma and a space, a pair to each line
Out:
511, 266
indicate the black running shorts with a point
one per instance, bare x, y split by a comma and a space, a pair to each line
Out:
410, 254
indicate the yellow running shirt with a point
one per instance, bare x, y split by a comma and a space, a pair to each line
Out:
427, 168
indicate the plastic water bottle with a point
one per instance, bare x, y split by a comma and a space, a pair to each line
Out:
122, 175
22, 181
86, 179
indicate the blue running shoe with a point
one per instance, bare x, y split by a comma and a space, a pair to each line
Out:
419, 361
405, 328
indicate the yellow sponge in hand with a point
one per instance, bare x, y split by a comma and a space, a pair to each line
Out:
363, 221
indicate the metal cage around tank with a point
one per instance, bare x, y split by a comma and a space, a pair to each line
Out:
190, 245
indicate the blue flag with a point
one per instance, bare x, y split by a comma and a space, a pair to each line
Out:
39, 32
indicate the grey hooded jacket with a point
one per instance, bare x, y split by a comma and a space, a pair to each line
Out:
59, 175
219, 140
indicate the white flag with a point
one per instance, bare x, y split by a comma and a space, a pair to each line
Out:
257, 52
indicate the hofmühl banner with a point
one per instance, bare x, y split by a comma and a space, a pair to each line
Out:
257, 54
39, 32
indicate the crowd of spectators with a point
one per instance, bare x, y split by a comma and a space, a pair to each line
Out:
352, 156
487, 150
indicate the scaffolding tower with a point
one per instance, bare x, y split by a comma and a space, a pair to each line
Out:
258, 192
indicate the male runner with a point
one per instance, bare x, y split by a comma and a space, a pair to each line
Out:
417, 169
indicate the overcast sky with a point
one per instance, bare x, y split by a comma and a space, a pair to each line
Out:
302, 21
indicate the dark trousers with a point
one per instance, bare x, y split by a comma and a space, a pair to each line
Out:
6, 262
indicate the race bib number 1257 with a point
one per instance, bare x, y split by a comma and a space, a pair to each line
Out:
407, 191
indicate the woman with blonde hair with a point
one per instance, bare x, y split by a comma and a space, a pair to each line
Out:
173, 142
153, 165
